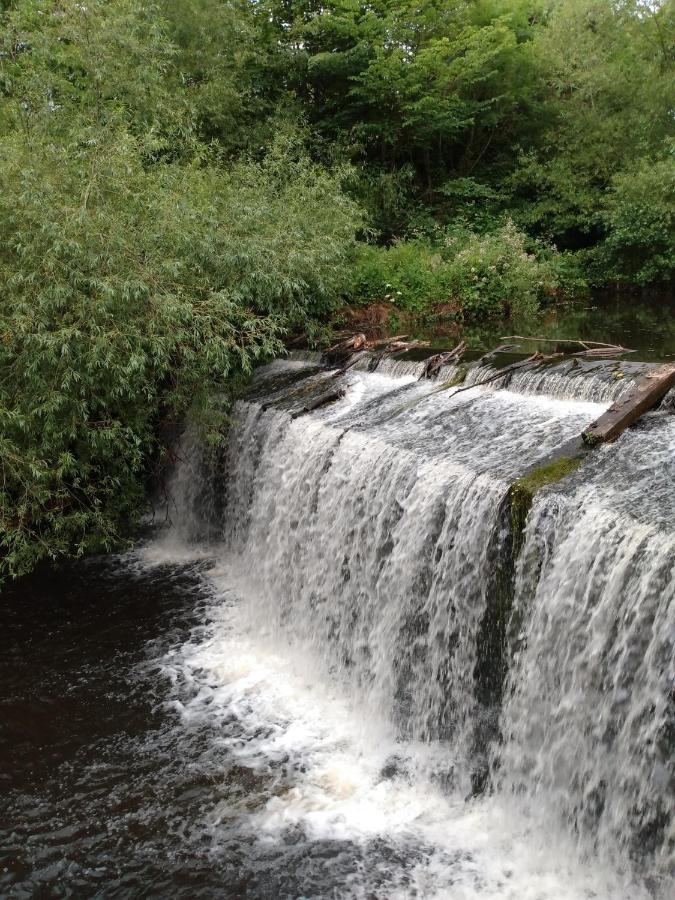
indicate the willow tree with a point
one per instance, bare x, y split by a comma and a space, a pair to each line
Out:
139, 272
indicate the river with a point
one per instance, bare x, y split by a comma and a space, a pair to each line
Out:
305, 688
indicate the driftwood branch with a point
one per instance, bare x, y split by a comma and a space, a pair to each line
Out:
647, 392
435, 363
526, 364
348, 352
591, 349
382, 341
358, 342
344, 349
317, 402
352, 361
396, 347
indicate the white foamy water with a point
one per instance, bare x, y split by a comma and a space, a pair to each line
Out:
359, 640
604, 381
589, 723
352, 779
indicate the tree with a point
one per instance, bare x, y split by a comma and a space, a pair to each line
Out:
140, 275
608, 69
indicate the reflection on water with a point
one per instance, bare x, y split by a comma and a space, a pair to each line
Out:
644, 323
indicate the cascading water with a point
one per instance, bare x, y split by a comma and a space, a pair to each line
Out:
590, 723
369, 540
599, 381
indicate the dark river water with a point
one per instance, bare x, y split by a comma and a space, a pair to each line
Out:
642, 323
109, 789
96, 784
149, 749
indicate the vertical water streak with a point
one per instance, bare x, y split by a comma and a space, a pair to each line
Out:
589, 726
372, 559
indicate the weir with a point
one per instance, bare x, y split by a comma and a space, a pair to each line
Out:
375, 534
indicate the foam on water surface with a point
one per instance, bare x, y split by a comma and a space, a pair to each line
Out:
351, 780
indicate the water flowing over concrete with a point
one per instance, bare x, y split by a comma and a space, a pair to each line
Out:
370, 542
589, 722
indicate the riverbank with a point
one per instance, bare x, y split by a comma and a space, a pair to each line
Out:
643, 322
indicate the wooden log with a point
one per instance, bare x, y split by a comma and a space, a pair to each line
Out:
343, 350
602, 353
398, 347
388, 340
322, 400
491, 355
351, 361
434, 363
590, 348
647, 393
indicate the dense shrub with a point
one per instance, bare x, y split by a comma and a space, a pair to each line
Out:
139, 276
639, 215
495, 274
410, 276
474, 275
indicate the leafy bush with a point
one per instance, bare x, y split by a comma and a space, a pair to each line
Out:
139, 277
477, 275
494, 274
409, 275
640, 219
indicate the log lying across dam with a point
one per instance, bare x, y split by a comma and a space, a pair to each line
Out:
647, 393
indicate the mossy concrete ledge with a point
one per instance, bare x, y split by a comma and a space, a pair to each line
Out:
521, 493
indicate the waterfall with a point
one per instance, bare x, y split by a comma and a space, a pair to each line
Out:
599, 382
371, 537
357, 558
590, 721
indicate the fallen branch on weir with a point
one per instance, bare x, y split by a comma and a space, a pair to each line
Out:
348, 352
383, 341
591, 349
396, 347
344, 349
435, 363
532, 362
350, 362
317, 402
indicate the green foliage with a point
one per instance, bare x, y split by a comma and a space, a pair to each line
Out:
411, 276
139, 275
471, 275
639, 215
180, 183
495, 274
543, 111
607, 75
420, 85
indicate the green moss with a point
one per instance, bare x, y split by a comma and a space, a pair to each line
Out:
522, 491
591, 440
